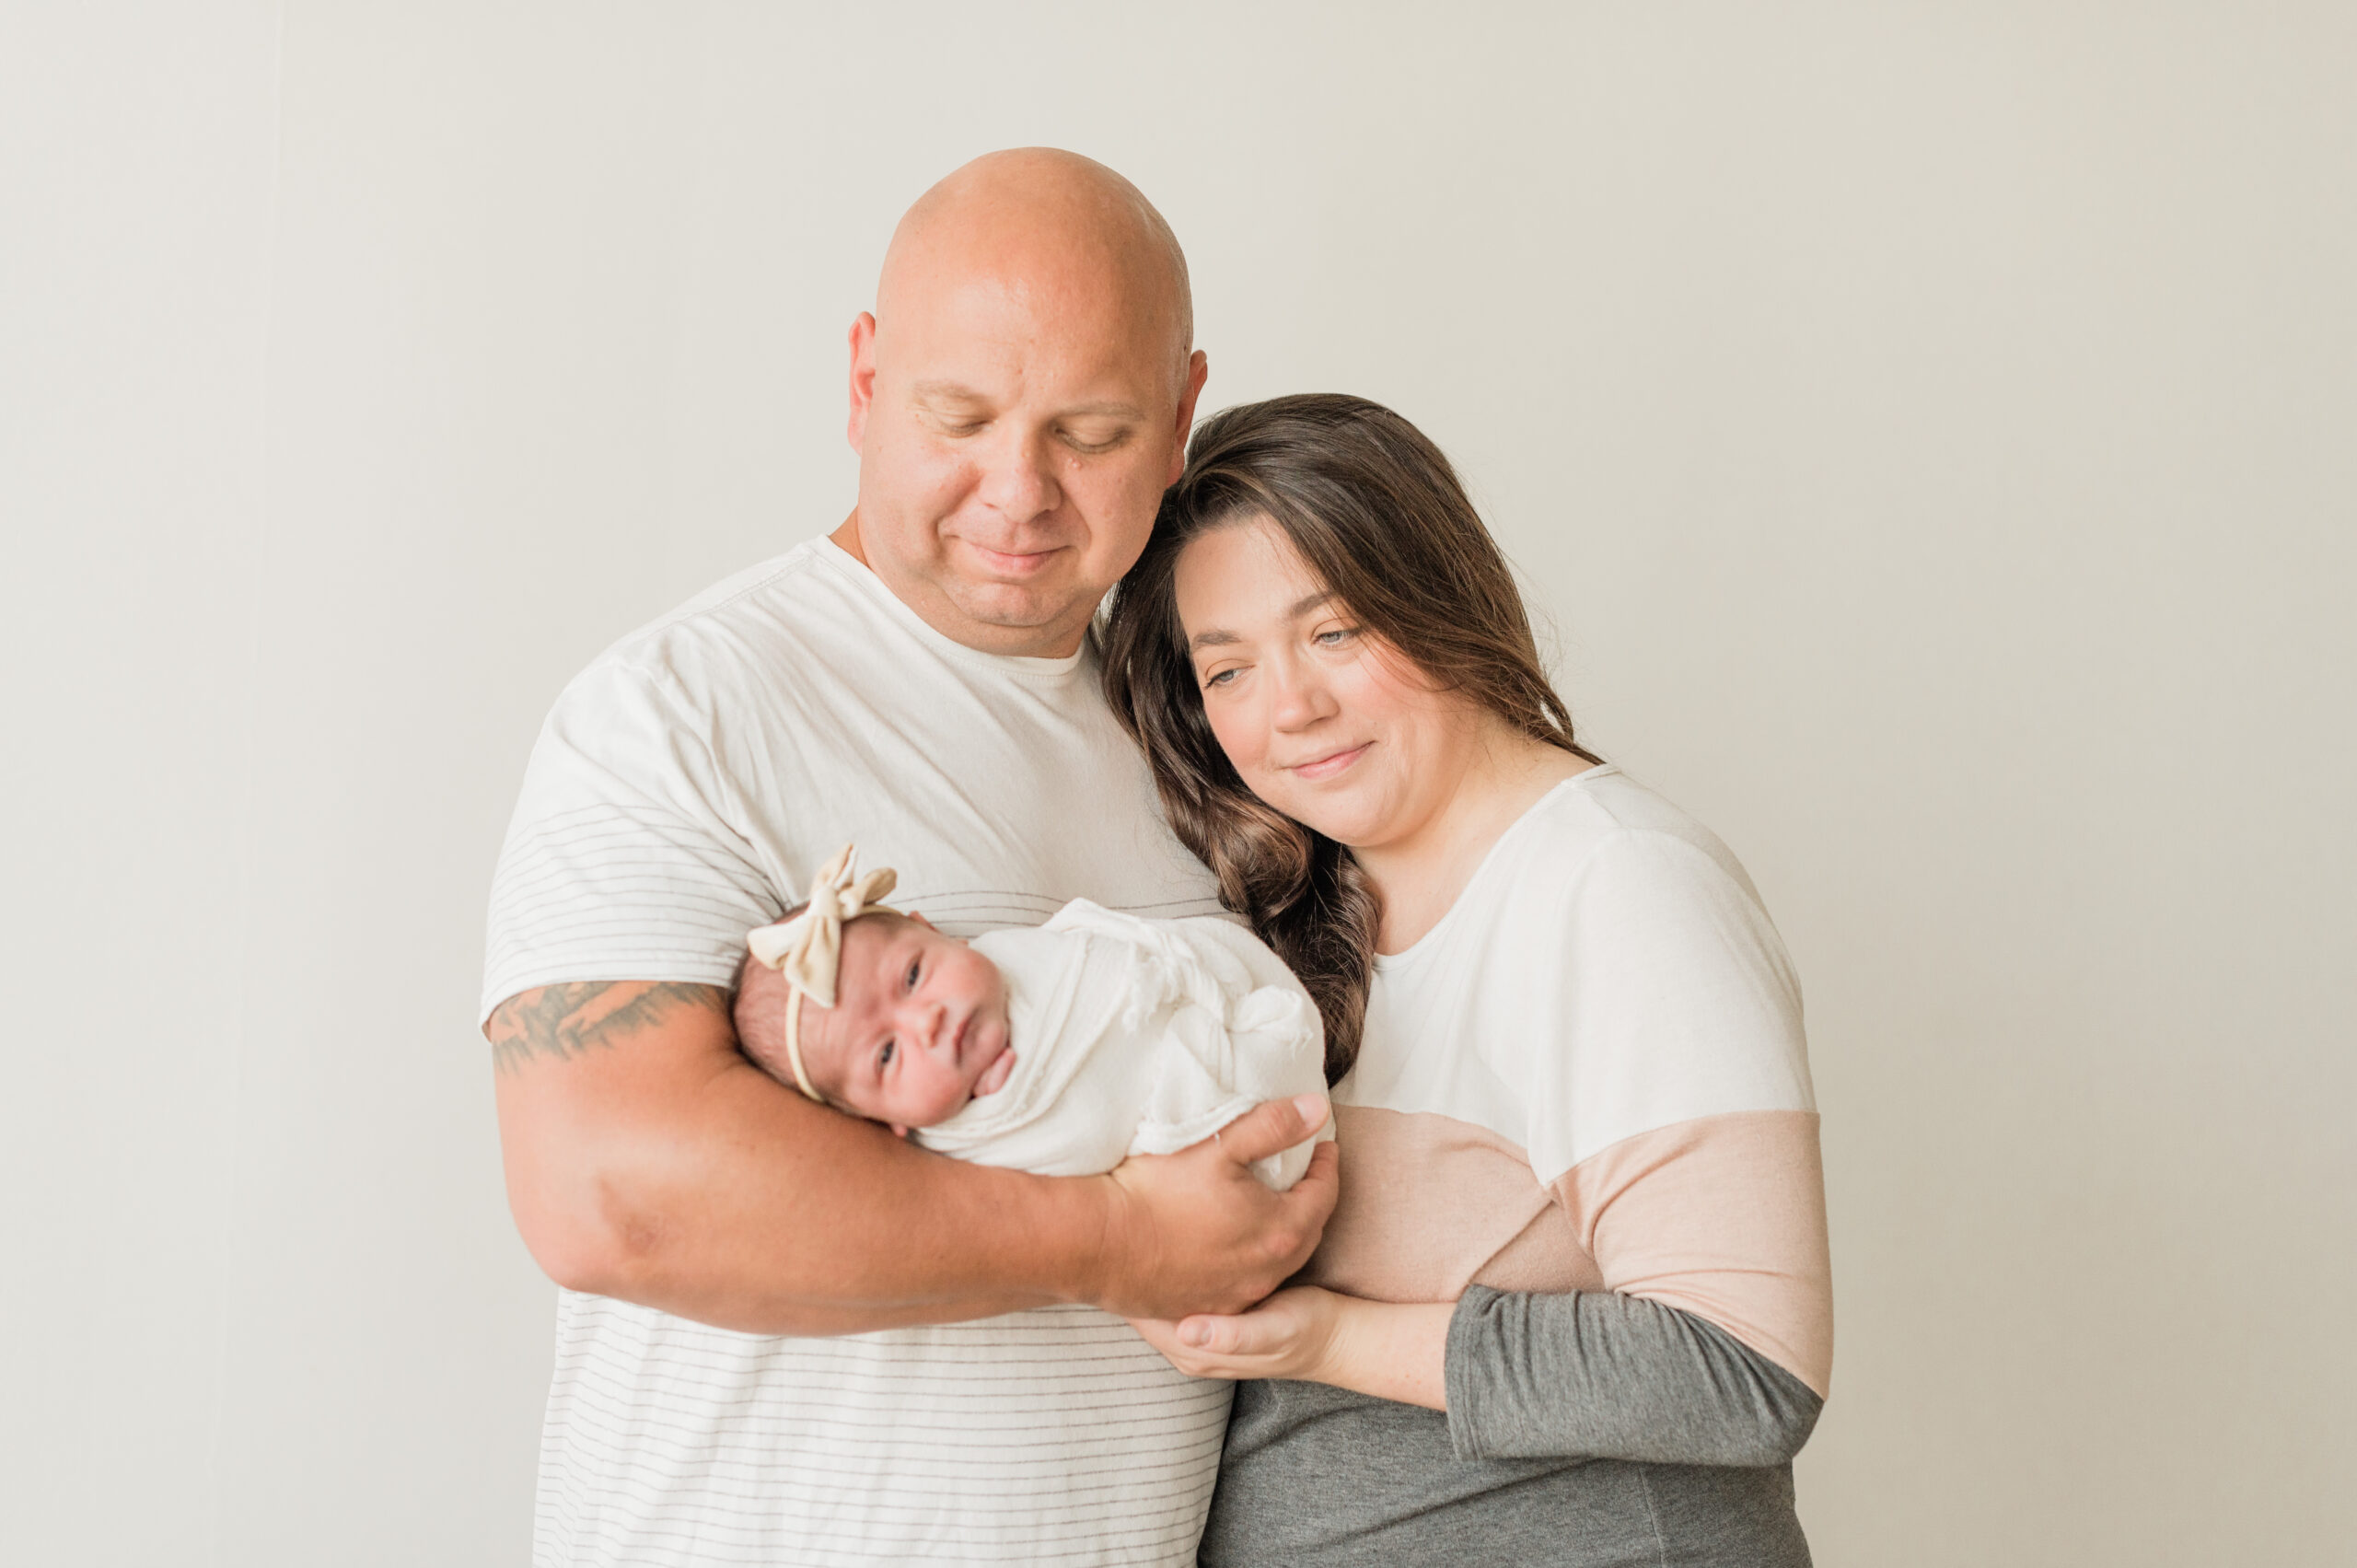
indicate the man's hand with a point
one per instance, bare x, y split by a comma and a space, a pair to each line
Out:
1196, 1231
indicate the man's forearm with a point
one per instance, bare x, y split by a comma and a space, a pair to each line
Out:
648, 1160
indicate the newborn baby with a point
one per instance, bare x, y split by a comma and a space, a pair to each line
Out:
1060, 1049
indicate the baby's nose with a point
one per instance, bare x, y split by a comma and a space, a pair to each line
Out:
925, 1022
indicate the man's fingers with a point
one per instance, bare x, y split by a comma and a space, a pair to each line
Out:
1321, 1184
1272, 1127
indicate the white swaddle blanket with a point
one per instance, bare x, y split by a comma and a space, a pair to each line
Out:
1137, 1036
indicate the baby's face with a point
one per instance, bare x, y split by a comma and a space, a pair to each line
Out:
918, 1027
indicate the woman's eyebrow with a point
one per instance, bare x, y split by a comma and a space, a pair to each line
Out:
1214, 638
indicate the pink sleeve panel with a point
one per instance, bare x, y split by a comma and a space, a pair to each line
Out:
1723, 1216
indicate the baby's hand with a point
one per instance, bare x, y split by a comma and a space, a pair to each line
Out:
996, 1076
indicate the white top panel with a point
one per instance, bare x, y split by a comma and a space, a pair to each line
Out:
1608, 971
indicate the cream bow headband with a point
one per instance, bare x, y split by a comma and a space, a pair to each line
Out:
807, 950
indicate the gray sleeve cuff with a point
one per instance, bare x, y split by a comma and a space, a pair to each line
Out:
1598, 1374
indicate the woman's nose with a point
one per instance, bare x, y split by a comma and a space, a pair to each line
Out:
1297, 698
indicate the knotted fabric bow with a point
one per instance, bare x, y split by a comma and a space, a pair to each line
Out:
809, 949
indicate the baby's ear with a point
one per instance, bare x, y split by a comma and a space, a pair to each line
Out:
921, 919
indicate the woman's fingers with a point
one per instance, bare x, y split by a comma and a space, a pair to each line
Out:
1272, 1127
1226, 1336
1283, 1336
1164, 1336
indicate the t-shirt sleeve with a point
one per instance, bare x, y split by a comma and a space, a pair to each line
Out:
1598, 1374
1667, 996
621, 862
1672, 1117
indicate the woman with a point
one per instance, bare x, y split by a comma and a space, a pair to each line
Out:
1574, 1305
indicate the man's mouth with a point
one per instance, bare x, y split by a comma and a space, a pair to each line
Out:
1012, 563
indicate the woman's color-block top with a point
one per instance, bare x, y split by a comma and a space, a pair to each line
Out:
1582, 1111
1591, 1076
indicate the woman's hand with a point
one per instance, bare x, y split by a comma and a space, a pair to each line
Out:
1391, 1350
1292, 1334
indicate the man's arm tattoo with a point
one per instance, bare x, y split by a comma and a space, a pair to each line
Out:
569, 1020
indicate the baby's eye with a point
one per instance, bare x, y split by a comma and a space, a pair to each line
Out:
884, 1057
915, 968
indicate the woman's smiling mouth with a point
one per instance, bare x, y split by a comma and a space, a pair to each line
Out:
1332, 763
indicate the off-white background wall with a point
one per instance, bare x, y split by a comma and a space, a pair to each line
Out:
1933, 431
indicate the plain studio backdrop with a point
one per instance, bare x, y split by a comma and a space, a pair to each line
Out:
1931, 434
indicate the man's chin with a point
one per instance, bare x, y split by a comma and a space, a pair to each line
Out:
1015, 609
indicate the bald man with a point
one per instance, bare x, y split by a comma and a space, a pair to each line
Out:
916, 681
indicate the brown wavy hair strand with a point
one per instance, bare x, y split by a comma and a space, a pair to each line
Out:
1379, 514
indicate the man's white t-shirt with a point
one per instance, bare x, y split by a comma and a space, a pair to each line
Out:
685, 789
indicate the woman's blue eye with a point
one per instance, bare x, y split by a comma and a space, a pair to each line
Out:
1221, 678
1335, 638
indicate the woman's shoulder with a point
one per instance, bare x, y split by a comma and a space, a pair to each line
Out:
1602, 834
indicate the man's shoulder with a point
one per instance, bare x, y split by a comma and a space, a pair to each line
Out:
759, 600
756, 628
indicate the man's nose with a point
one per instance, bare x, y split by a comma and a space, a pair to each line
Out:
1019, 476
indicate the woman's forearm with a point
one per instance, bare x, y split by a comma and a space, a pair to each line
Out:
1601, 1374
1390, 1350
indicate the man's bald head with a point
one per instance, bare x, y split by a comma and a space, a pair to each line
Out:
1045, 224
1020, 399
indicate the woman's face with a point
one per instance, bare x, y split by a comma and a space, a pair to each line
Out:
1328, 725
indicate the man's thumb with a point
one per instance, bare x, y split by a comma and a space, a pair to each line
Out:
1272, 1127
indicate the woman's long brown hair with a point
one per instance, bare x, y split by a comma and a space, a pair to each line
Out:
1378, 516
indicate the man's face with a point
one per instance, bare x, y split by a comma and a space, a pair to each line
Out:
1015, 440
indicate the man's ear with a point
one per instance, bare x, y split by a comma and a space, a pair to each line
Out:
863, 378
1198, 367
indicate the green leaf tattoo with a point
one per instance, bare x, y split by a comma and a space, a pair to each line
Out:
570, 1019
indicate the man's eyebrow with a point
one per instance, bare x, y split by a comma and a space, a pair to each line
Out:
954, 392
946, 392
